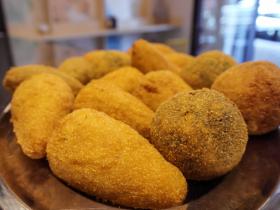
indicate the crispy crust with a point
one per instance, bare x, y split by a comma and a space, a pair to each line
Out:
180, 59
77, 67
146, 58
201, 132
17, 75
206, 68
37, 106
115, 102
163, 48
158, 87
106, 61
106, 158
255, 88
127, 78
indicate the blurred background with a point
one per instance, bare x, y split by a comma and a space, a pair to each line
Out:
48, 31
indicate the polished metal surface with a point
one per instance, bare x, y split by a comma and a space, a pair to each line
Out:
253, 184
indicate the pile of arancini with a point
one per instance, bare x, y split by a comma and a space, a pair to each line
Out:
131, 127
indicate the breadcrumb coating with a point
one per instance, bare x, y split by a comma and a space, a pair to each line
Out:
37, 106
255, 88
206, 68
163, 48
201, 132
16, 75
105, 61
77, 67
158, 87
106, 158
115, 102
126, 78
146, 58
182, 60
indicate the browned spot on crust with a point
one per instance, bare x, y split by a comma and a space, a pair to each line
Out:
255, 88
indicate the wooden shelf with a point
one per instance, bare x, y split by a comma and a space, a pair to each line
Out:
21, 32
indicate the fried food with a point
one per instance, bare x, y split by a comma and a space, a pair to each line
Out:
146, 58
115, 102
127, 78
158, 87
77, 67
163, 48
255, 88
201, 132
105, 61
37, 106
16, 75
180, 59
106, 158
206, 68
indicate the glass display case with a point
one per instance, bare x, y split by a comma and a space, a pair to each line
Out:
227, 25
5, 58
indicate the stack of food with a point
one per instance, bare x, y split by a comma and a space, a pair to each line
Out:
131, 127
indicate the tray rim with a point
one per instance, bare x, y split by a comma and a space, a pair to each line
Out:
9, 194
19, 204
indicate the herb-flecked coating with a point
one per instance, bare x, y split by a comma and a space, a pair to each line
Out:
201, 132
206, 67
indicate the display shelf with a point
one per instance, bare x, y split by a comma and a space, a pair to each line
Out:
31, 35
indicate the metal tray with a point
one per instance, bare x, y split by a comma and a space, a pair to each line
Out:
253, 184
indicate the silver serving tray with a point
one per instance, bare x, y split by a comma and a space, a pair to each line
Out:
253, 184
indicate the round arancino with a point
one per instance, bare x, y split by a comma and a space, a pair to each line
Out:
201, 132
255, 88
205, 68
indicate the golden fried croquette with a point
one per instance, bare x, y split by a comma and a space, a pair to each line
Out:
105, 61
117, 103
146, 58
163, 48
129, 51
206, 68
77, 67
106, 158
158, 87
37, 105
127, 78
16, 75
255, 88
182, 60
201, 132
